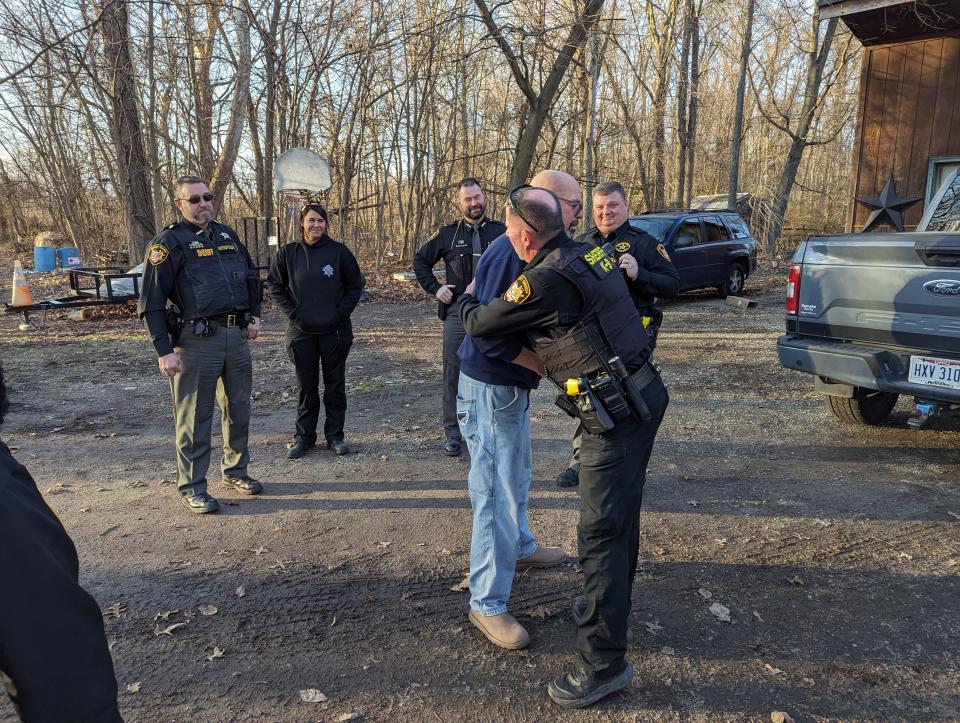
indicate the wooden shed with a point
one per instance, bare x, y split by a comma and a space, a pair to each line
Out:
908, 122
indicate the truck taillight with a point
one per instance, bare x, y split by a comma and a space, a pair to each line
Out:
793, 289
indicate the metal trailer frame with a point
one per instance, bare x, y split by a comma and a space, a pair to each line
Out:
89, 286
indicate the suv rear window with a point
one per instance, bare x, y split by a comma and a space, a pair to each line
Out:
715, 229
737, 226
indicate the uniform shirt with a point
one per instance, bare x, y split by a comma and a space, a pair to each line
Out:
453, 244
540, 303
204, 274
317, 285
53, 651
656, 275
489, 360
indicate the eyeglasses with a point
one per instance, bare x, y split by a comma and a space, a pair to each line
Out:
196, 199
516, 209
576, 206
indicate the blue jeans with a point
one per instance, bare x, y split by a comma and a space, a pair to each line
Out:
495, 423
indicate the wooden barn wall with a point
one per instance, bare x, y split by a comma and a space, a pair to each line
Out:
909, 113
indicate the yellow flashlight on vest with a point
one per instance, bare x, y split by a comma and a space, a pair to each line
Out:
573, 387
646, 321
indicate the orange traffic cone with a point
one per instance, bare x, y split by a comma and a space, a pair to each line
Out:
21, 291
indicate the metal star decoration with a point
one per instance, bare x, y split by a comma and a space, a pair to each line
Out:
888, 207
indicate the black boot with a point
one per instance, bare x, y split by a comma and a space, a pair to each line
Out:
300, 447
578, 690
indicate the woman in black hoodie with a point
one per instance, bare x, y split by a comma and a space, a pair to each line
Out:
317, 282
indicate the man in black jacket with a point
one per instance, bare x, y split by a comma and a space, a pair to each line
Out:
647, 269
54, 659
317, 283
459, 244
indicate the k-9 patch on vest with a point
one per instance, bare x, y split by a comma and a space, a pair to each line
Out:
598, 261
519, 291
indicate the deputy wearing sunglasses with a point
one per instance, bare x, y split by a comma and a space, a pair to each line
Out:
200, 302
575, 310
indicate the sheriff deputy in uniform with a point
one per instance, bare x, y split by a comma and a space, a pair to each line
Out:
575, 310
54, 658
459, 245
649, 272
200, 302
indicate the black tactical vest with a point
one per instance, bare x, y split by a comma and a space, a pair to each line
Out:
609, 326
214, 276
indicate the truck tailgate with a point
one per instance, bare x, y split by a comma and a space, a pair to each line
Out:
899, 290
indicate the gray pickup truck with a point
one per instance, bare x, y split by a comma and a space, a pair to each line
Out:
873, 316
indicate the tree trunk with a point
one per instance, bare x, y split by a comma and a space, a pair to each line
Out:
223, 171
737, 138
125, 126
694, 103
816, 62
682, 86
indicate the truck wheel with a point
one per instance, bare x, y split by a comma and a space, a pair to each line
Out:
865, 407
733, 284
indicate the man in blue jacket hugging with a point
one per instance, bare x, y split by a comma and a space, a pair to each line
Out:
493, 403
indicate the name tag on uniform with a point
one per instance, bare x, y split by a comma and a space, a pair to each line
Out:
227, 247
598, 261
204, 252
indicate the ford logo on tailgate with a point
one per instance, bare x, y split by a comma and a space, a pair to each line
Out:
943, 287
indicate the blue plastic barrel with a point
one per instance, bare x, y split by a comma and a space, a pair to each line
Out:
69, 257
44, 258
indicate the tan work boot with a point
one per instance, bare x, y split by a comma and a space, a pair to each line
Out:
502, 630
542, 557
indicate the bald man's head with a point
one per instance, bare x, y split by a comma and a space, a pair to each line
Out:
565, 187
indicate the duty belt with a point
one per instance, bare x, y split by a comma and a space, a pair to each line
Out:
234, 318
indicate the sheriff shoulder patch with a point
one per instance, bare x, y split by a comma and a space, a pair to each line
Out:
663, 252
518, 292
157, 254
622, 247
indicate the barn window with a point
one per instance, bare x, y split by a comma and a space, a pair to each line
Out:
937, 172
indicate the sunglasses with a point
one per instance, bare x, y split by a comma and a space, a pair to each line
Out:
196, 199
513, 204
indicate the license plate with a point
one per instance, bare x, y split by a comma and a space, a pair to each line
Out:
935, 372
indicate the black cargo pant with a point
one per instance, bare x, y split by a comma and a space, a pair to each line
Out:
613, 469
311, 354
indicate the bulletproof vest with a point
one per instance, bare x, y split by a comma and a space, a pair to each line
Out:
214, 276
609, 325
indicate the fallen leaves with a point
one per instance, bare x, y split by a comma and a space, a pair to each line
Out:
134, 687
240, 591
168, 630
756, 614
704, 593
772, 670
115, 610
217, 653
462, 586
778, 716
208, 610
348, 717
165, 615
541, 613
720, 612
796, 581
260, 550
312, 695
653, 627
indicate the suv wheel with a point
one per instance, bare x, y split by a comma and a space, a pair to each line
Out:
733, 284
867, 406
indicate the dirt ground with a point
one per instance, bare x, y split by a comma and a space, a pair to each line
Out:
834, 548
